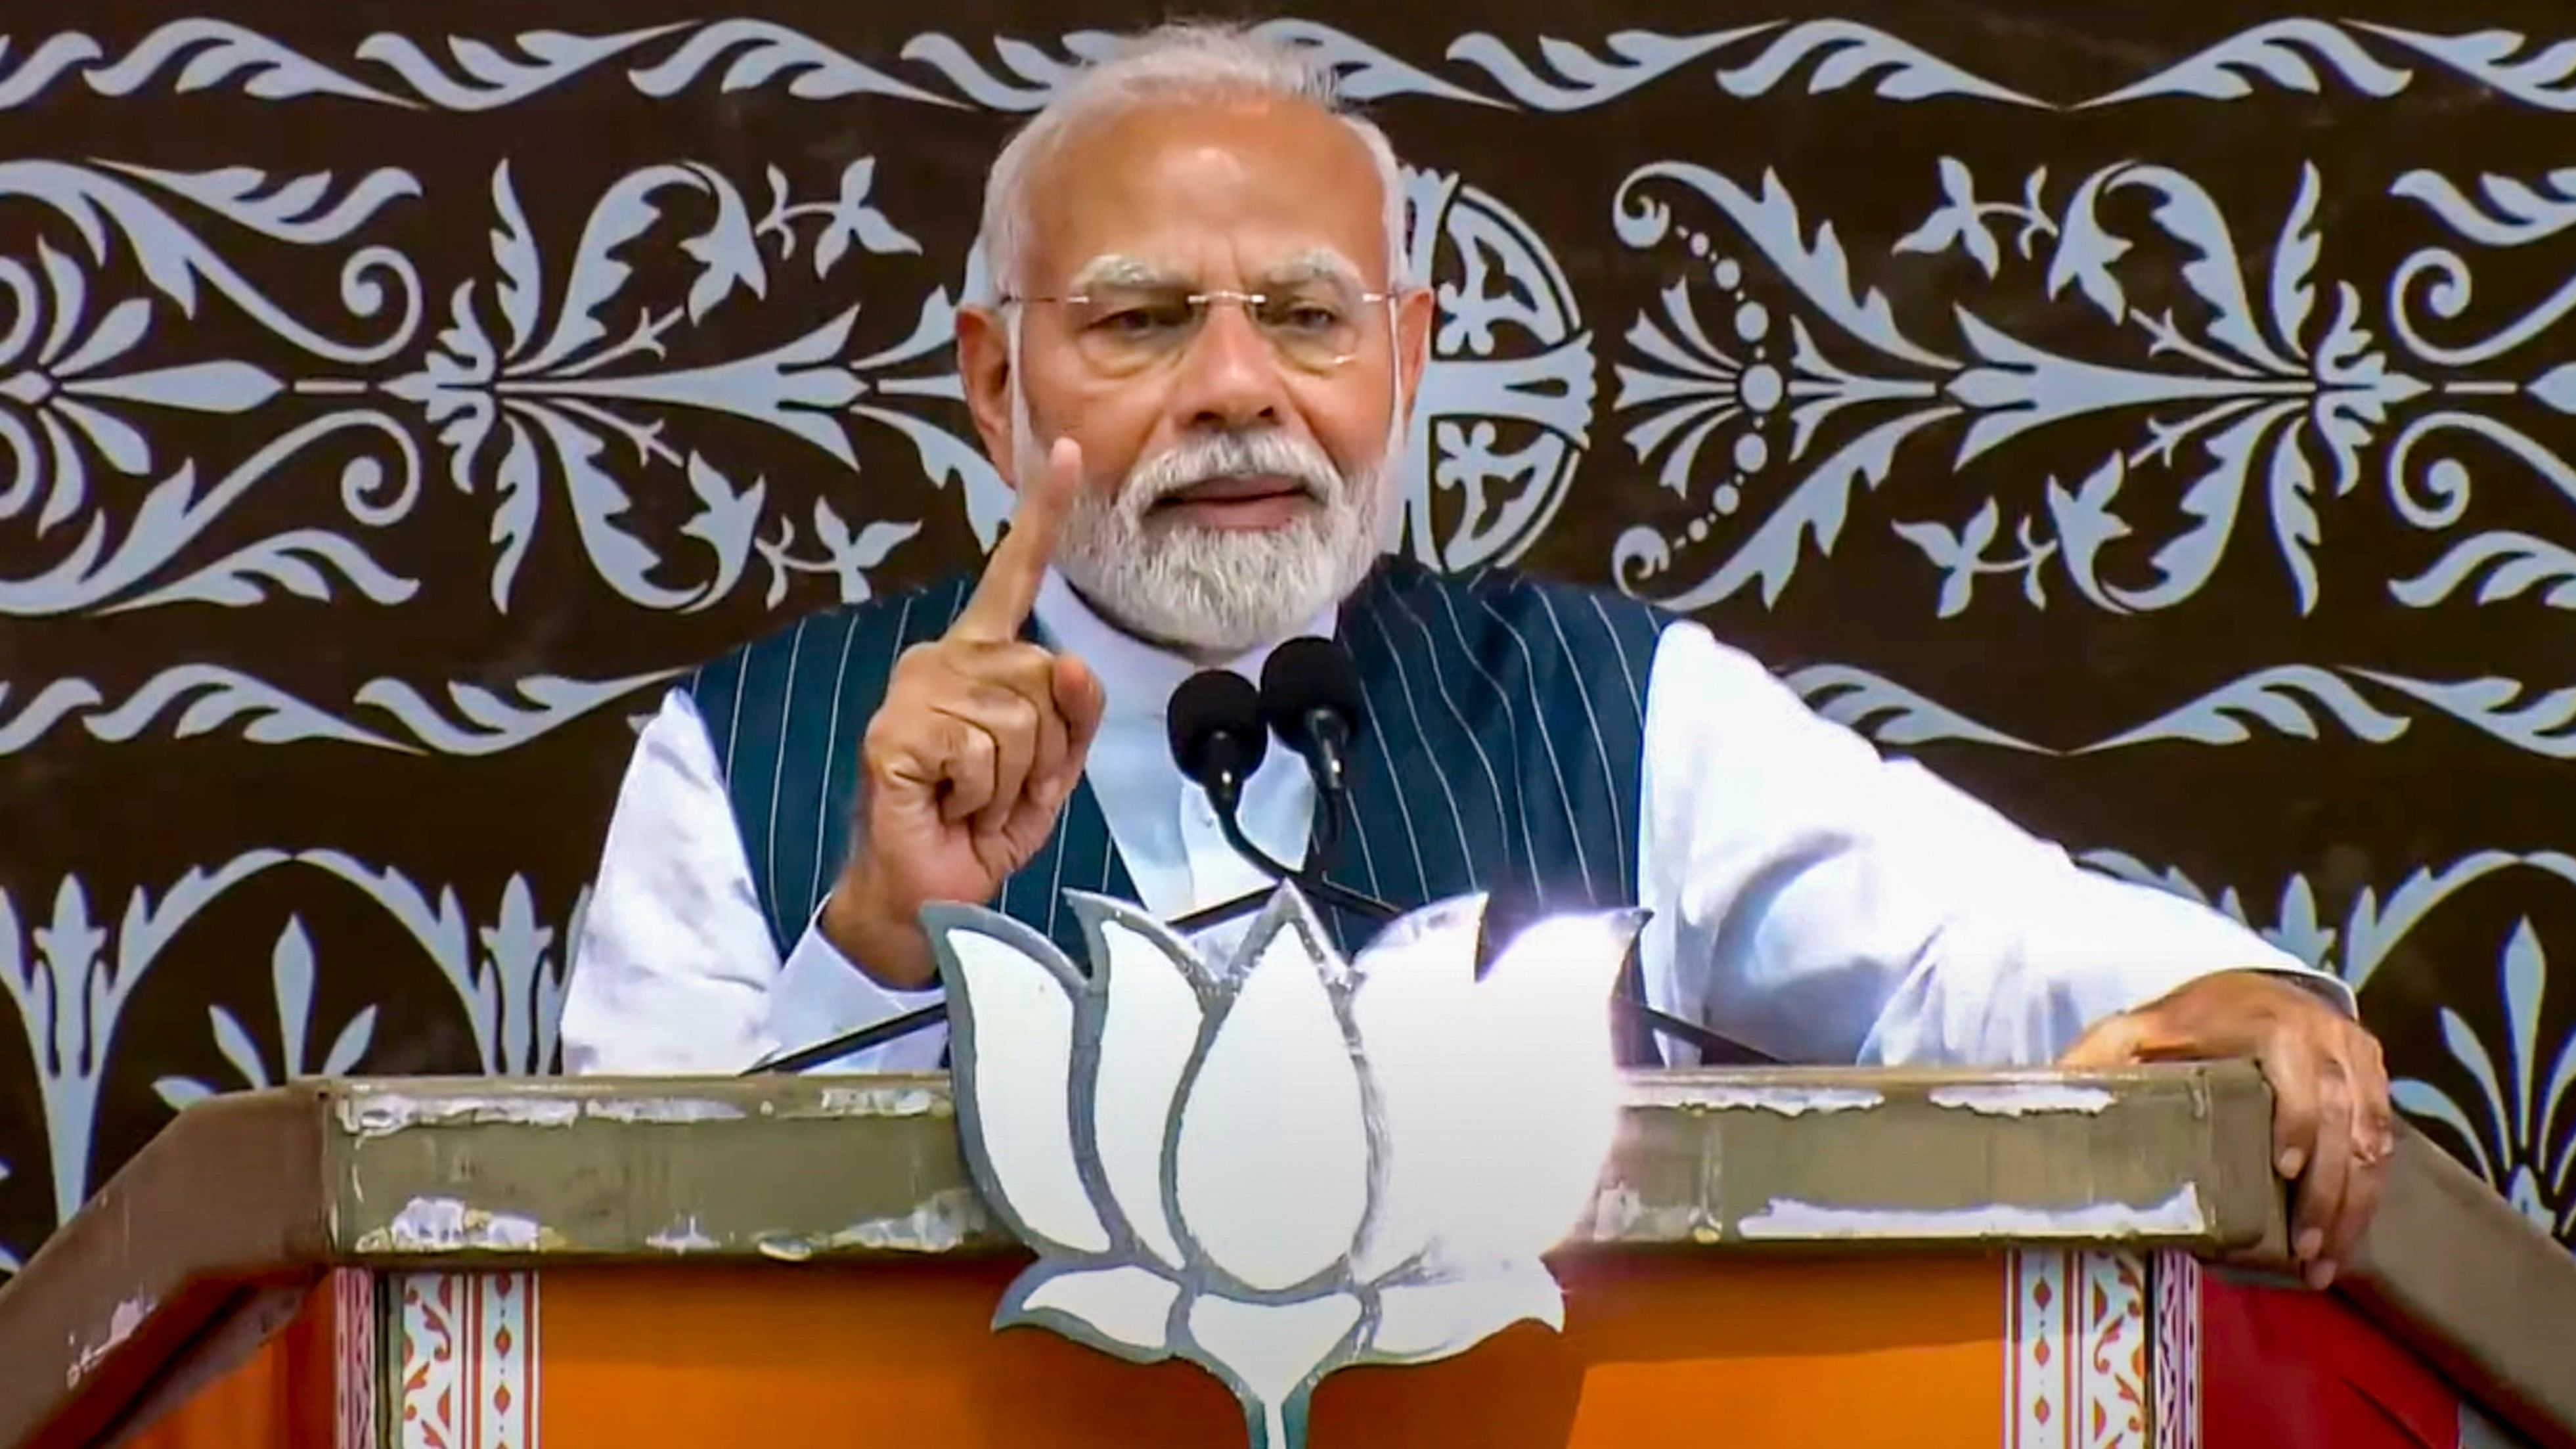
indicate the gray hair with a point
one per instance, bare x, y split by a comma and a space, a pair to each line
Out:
1195, 61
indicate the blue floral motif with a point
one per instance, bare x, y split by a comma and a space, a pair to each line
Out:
2258, 399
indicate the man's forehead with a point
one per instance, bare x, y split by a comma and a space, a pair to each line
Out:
1186, 188
1126, 269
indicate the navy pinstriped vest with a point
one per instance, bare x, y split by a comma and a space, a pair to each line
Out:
1506, 718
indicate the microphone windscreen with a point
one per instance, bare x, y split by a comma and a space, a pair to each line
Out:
1306, 674
1211, 707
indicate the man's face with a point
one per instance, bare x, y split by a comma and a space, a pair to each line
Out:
1236, 456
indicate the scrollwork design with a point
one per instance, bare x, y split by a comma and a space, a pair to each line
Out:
2260, 398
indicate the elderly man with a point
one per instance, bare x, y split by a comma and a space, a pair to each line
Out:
1203, 352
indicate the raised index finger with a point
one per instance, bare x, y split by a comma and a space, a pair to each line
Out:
1012, 572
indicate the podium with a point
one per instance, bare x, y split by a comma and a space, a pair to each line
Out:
1776, 1257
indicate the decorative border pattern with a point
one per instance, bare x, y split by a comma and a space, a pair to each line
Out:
353, 1354
469, 1346
2177, 1355
2075, 1351
1825, 53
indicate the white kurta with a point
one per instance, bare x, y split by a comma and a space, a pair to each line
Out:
1810, 898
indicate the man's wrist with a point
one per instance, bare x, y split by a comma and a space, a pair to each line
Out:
885, 947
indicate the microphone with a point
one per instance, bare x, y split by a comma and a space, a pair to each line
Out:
1310, 697
1214, 724
1218, 740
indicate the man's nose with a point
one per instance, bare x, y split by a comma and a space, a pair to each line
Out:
1229, 374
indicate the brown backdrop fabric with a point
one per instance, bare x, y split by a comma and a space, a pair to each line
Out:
2154, 417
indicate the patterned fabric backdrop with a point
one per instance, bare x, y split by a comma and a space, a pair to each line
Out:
2158, 420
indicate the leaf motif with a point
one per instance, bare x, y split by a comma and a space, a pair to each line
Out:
1849, 51
944, 457
2424, 1101
181, 1093
2294, 519
1960, 185
877, 540
351, 1045
1642, 57
2190, 217
2522, 560
880, 235
1934, 539
294, 212
2086, 251
597, 276
828, 527
237, 1047
2525, 973
514, 251
1979, 532
2186, 562
234, 580
514, 514
71, 490
2541, 726
727, 253
119, 442
290, 977
1888, 713
1817, 507
830, 245
1957, 557
2538, 219
2293, 259
2267, 50
1819, 269
124, 325
2273, 697
622, 560
1933, 237
726, 521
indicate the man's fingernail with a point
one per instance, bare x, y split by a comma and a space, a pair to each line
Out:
2321, 1274
2311, 1243
2292, 1159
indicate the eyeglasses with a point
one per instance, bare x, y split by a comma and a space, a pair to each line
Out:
1121, 330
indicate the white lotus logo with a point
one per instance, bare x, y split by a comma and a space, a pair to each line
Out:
1283, 1163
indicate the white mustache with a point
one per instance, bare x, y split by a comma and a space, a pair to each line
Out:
1267, 452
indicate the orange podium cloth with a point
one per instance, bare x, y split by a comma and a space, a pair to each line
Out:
2022, 1349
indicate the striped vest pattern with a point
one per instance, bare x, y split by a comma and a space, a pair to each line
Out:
1502, 750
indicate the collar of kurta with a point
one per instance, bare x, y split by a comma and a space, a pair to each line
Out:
1137, 678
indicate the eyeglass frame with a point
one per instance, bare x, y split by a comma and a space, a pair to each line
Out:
1203, 300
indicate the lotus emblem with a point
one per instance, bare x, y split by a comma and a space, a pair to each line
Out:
1280, 1163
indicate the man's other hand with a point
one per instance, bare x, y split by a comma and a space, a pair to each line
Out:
2332, 1127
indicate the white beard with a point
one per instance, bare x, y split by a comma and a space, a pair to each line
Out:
1218, 592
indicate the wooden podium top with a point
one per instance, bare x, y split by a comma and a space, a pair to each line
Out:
277, 1185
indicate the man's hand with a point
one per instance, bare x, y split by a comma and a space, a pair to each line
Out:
979, 741
2332, 1129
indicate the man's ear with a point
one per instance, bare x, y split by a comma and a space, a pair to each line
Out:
1414, 315
984, 367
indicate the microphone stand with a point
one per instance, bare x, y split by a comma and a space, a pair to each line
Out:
1712, 1046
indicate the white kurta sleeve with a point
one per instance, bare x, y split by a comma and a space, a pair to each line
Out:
1820, 903
675, 970
820, 995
